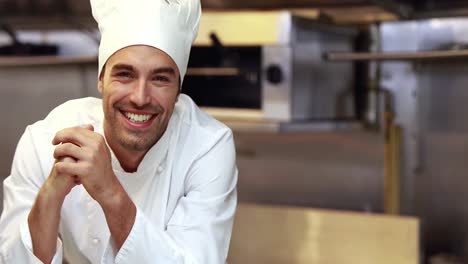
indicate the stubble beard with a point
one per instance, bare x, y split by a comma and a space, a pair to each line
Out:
133, 141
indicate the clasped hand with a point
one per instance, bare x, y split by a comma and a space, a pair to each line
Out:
82, 157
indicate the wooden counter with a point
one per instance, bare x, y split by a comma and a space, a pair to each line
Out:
268, 234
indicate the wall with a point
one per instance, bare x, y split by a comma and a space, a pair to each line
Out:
328, 169
28, 93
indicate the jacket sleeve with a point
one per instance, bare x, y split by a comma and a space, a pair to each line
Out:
200, 227
20, 190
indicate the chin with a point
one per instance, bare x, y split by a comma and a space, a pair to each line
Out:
137, 143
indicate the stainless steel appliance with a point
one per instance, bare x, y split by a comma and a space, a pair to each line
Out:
271, 63
430, 99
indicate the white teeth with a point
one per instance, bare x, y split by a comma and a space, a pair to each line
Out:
137, 118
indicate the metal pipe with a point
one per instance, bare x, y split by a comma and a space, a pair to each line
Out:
207, 71
420, 55
392, 167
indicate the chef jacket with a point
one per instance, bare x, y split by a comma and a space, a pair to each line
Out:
184, 191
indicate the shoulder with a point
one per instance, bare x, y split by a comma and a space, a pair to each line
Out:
198, 133
203, 149
198, 122
71, 113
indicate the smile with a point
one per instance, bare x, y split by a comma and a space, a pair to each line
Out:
137, 118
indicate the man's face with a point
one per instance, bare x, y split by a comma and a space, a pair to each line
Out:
139, 88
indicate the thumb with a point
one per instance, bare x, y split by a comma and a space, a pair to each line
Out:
88, 126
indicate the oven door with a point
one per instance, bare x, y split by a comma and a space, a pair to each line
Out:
227, 77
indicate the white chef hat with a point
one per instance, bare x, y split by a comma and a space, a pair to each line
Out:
169, 25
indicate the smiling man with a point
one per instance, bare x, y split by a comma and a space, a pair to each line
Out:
141, 176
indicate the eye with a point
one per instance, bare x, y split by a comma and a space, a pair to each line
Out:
123, 74
161, 78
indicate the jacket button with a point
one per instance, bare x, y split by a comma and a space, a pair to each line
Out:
160, 169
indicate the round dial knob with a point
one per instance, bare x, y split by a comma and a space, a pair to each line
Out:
274, 74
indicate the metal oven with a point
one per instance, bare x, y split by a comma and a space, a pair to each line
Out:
271, 63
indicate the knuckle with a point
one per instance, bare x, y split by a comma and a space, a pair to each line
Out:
92, 156
56, 152
63, 131
58, 168
101, 142
95, 147
68, 159
98, 145
69, 147
60, 132
61, 135
57, 136
89, 166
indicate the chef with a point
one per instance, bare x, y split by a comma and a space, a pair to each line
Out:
141, 176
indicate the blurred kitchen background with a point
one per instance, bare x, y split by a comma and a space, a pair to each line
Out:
351, 105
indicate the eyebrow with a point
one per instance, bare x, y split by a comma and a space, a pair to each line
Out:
128, 67
168, 70
123, 67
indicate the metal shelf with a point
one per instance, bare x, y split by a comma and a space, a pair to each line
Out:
7, 61
396, 56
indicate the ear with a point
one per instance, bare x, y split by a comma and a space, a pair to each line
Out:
100, 83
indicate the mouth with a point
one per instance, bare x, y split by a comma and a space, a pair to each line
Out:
138, 119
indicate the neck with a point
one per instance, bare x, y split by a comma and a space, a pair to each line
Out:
129, 160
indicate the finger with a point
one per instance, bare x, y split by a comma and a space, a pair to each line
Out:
68, 150
65, 159
62, 160
76, 135
74, 178
77, 169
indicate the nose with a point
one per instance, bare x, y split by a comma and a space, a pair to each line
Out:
140, 95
